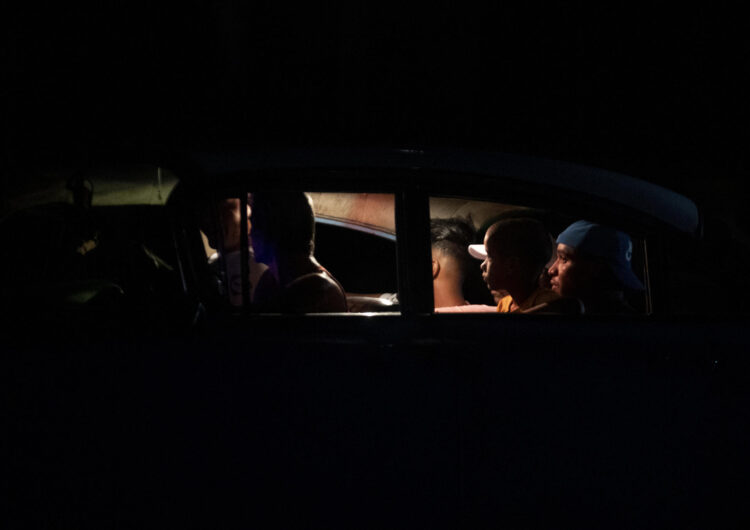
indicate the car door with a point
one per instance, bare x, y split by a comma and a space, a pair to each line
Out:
602, 418
406, 418
525, 419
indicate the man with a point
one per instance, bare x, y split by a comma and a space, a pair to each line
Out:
455, 282
457, 286
593, 265
283, 232
502, 299
221, 223
514, 255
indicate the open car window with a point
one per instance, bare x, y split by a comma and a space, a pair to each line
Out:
481, 279
142, 249
343, 248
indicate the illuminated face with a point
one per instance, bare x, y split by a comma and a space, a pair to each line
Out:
229, 224
495, 268
571, 274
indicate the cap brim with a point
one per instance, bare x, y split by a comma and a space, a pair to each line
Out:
477, 251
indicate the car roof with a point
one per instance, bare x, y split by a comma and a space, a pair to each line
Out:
667, 206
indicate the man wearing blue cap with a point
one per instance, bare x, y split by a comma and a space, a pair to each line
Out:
593, 265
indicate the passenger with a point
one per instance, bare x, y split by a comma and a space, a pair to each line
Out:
593, 265
282, 237
502, 298
455, 281
221, 223
515, 253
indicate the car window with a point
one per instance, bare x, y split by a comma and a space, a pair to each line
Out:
475, 280
352, 247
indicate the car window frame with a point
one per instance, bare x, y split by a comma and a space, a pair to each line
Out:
412, 188
237, 183
647, 230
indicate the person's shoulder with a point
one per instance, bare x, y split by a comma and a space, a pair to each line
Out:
313, 280
314, 292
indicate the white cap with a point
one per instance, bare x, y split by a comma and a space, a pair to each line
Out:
478, 251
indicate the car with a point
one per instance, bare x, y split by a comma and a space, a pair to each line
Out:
141, 393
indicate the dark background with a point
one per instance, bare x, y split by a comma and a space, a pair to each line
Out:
657, 94
660, 95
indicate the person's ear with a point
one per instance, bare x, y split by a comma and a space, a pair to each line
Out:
435, 268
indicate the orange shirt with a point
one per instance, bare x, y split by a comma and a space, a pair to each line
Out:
539, 296
503, 306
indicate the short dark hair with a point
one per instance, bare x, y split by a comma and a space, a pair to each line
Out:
452, 237
516, 212
286, 218
524, 238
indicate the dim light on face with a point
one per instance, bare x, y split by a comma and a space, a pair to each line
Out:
571, 274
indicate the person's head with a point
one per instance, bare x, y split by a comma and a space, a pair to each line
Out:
220, 221
592, 259
455, 276
543, 216
515, 251
450, 239
283, 225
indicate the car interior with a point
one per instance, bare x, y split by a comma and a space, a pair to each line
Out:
355, 240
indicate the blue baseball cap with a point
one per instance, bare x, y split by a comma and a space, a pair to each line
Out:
608, 244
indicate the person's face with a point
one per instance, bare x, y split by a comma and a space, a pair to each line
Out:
229, 216
570, 274
228, 211
494, 268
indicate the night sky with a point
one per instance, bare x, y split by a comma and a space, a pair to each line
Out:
659, 95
